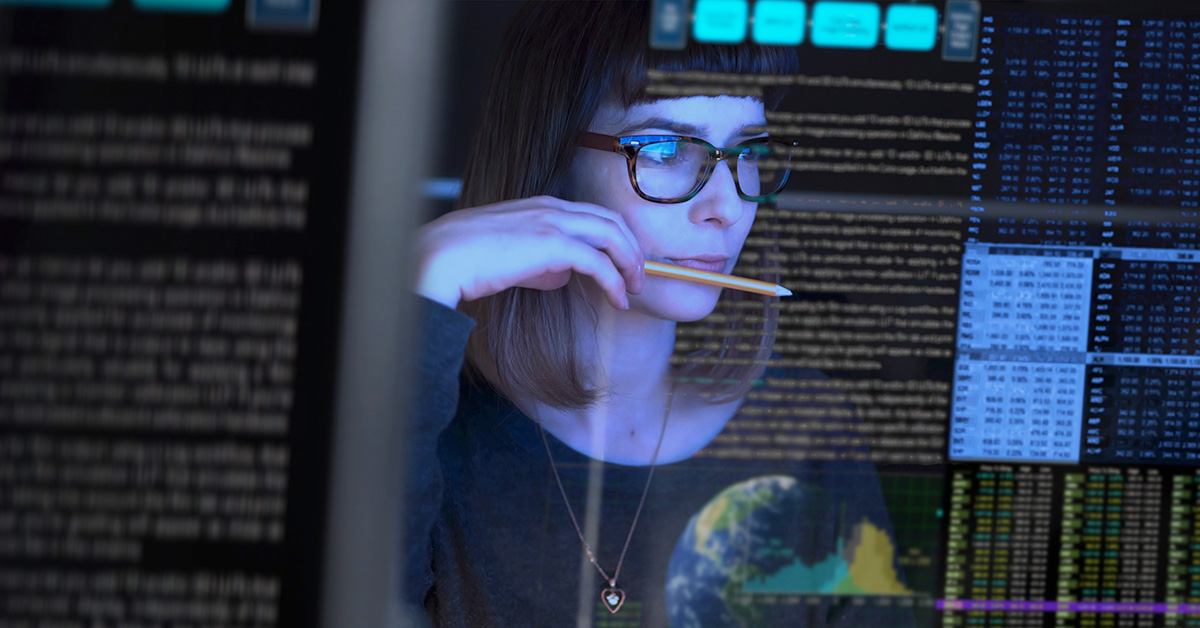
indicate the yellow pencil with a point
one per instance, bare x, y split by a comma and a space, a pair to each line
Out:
716, 279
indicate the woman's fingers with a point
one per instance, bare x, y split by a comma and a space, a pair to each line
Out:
599, 267
611, 215
573, 256
536, 243
606, 234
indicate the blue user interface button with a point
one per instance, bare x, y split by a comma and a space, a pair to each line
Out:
911, 27
720, 21
183, 6
66, 4
961, 38
282, 14
779, 22
669, 24
845, 25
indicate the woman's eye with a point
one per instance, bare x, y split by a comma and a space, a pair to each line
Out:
663, 155
755, 151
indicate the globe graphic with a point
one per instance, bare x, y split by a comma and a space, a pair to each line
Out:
772, 535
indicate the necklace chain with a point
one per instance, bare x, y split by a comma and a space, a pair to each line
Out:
612, 582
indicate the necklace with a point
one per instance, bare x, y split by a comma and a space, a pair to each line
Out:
612, 596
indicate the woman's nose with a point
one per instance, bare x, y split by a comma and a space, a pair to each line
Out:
719, 200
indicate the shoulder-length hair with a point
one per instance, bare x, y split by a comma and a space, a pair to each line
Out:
558, 62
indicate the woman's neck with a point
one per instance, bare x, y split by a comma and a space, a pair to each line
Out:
631, 353
630, 357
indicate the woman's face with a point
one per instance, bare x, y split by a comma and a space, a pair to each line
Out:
705, 232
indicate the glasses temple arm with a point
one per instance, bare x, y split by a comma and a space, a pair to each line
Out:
599, 142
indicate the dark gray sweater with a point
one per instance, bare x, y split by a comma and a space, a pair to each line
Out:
719, 543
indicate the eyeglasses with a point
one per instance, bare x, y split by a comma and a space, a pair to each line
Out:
674, 168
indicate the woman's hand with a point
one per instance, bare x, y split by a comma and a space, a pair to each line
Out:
531, 243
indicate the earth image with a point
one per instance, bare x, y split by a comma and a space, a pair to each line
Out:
771, 535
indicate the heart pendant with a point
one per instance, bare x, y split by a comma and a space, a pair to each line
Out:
612, 598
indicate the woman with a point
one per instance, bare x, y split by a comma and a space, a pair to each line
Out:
558, 482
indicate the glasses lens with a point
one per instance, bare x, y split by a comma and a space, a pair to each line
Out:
670, 169
759, 171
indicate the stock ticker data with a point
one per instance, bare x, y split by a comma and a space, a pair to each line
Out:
993, 230
1077, 331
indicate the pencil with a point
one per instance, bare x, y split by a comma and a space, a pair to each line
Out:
716, 279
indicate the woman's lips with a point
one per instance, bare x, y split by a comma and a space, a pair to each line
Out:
711, 264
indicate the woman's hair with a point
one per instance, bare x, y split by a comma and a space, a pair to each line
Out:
558, 62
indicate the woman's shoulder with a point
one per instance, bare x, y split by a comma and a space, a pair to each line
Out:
439, 326
486, 422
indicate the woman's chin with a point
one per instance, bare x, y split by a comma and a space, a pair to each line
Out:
680, 303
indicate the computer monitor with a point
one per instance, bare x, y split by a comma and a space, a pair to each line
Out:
200, 255
990, 233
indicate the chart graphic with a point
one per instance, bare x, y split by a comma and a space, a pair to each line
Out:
861, 566
763, 546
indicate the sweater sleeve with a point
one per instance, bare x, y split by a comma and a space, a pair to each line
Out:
440, 342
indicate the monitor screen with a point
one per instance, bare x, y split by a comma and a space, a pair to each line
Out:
990, 231
176, 181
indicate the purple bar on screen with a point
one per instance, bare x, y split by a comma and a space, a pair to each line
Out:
1049, 606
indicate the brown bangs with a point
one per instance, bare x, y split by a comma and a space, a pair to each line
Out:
630, 86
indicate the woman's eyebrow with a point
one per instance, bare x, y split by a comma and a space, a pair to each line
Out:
754, 128
683, 128
662, 122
